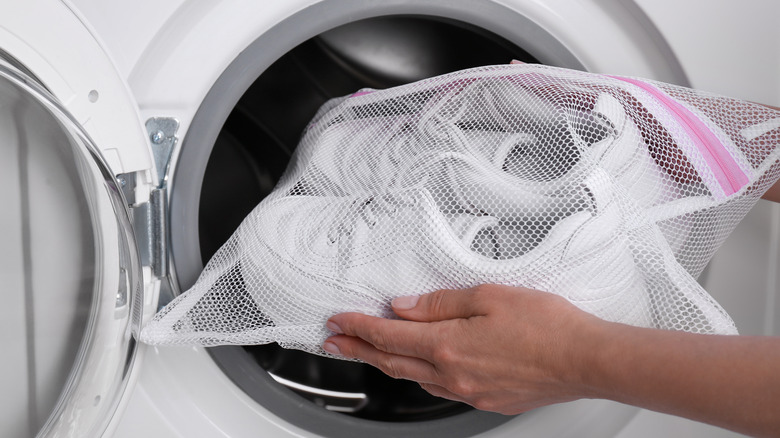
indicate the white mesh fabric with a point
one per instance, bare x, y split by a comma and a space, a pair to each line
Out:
611, 192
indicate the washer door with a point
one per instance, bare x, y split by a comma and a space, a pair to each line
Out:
70, 271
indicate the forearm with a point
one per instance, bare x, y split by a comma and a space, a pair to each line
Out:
773, 194
728, 381
510, 350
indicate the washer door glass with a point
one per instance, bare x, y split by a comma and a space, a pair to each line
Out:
69, 273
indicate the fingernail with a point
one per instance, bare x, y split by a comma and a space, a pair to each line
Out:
405, 303
332, 326
514, 61
331, 348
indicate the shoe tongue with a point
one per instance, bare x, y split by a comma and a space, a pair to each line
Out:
476, 232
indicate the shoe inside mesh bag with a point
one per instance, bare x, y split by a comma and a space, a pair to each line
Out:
612, 192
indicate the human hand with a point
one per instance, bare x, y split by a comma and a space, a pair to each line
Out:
497, 348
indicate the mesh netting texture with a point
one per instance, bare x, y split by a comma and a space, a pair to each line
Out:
612, 192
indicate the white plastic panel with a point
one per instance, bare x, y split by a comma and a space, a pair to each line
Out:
183, 393
726, 47
649, 424
47, 38
742, 275
142, 21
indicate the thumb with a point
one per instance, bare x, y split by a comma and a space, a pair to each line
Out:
438, 306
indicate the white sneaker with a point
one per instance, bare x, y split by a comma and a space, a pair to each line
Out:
370, 142
604, 278
462, 169
303, 259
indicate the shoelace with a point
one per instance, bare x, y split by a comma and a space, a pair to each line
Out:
370, 210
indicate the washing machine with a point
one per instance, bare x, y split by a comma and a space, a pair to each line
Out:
138, 134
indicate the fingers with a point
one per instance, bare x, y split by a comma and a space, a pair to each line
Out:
441, 305
507, 349
404, 338
394, 365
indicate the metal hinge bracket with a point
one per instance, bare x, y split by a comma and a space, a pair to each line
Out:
150, 219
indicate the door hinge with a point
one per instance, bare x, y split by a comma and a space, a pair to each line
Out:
150, 219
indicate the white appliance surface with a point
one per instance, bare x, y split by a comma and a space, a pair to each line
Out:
160, 59
741, 62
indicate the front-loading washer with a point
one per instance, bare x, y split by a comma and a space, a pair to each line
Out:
224, 89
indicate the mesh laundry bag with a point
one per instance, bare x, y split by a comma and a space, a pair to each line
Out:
612, 192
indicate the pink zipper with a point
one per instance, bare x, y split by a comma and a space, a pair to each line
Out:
725, 168
362, 92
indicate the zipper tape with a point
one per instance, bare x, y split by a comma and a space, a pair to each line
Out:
728, 175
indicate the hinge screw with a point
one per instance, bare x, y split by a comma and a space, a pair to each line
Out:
158, 137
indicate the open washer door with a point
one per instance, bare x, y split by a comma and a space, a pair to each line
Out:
70, 272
